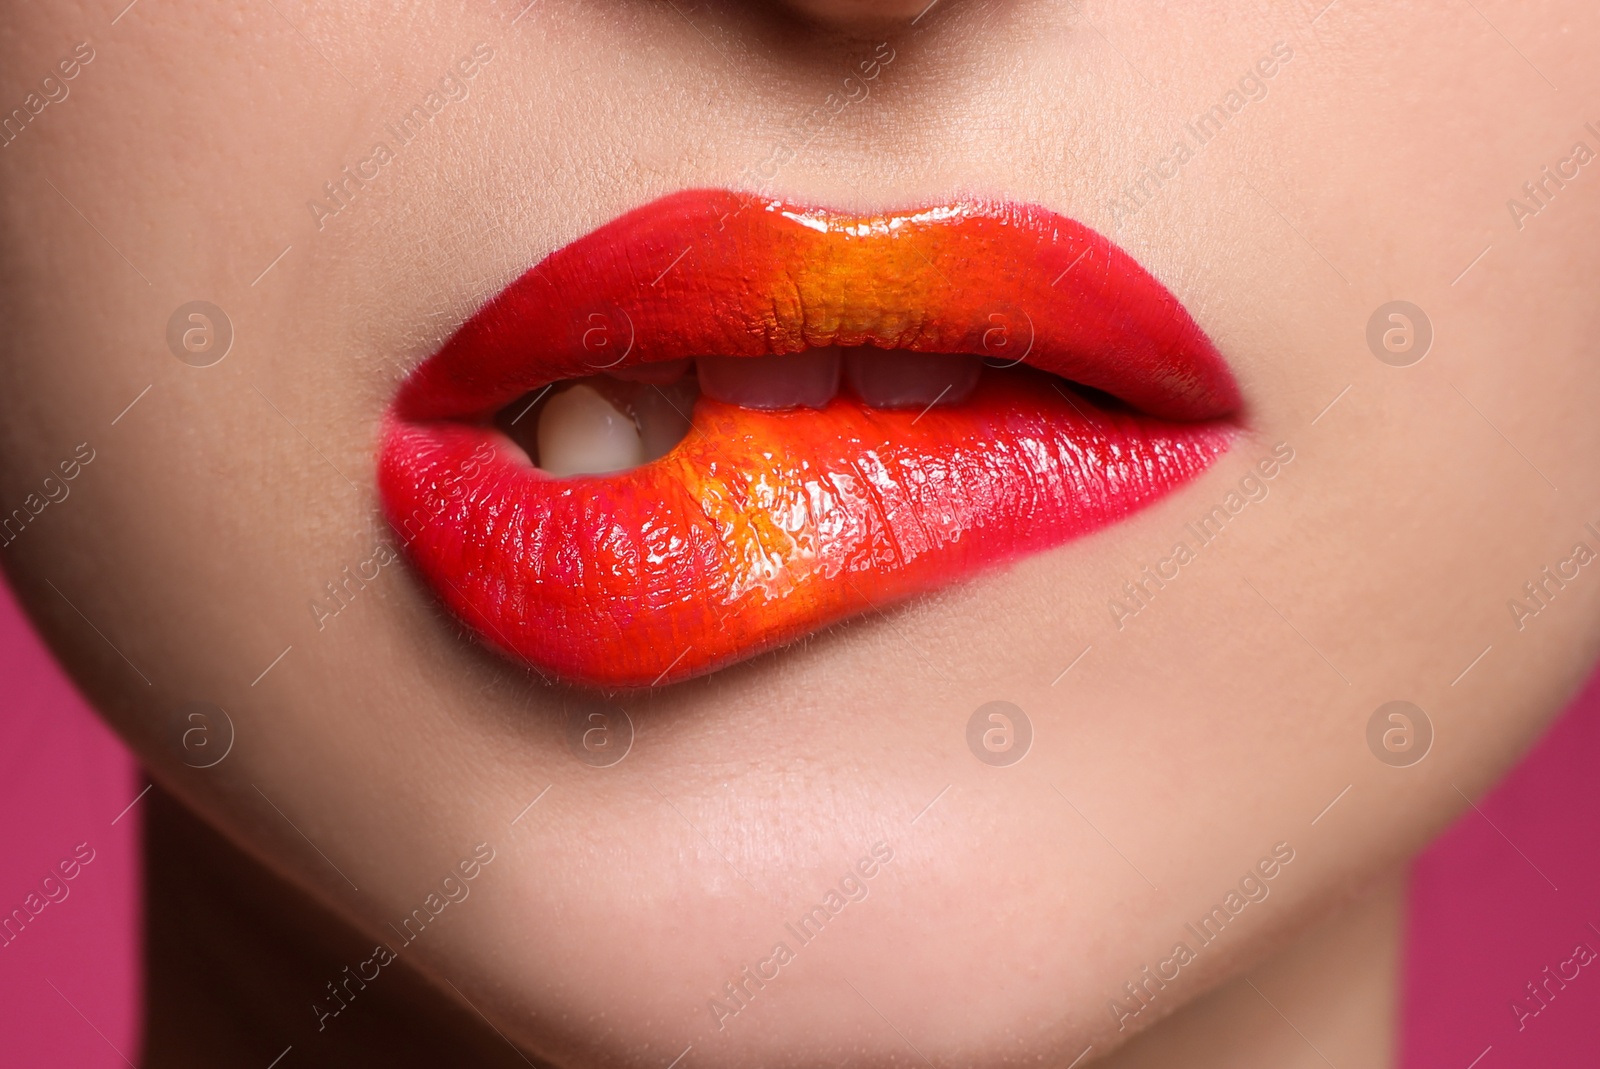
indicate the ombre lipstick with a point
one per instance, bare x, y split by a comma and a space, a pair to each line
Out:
870, 407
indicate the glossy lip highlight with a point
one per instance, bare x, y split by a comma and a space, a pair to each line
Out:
764, 526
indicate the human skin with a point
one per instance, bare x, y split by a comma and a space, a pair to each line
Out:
1218, 721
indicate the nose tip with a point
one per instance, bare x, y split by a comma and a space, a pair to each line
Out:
861, 13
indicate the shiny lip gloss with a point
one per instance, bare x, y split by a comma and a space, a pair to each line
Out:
761, 527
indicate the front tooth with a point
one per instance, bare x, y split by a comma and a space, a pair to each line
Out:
581, 433
895, 378
792, 380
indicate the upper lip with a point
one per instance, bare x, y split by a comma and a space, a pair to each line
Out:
764, 526
1012, 282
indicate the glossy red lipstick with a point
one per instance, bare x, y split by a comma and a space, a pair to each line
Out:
761, 526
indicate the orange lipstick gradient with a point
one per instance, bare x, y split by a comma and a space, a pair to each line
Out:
761, 527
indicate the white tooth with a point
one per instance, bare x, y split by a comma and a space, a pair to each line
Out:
896, 378
792, 380
581, 433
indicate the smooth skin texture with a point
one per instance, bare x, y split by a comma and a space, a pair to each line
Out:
1173, 747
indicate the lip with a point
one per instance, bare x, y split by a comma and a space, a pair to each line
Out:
761, 527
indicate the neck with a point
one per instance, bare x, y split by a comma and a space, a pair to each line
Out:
1330, 998
238, 965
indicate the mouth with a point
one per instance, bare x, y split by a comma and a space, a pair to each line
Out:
720, 423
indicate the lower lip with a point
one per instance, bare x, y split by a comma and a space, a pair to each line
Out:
762, 527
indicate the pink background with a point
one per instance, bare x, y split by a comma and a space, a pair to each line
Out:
1509, 890
1485, 922
63, 779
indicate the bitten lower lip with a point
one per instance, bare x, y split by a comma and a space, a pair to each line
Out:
761, 527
